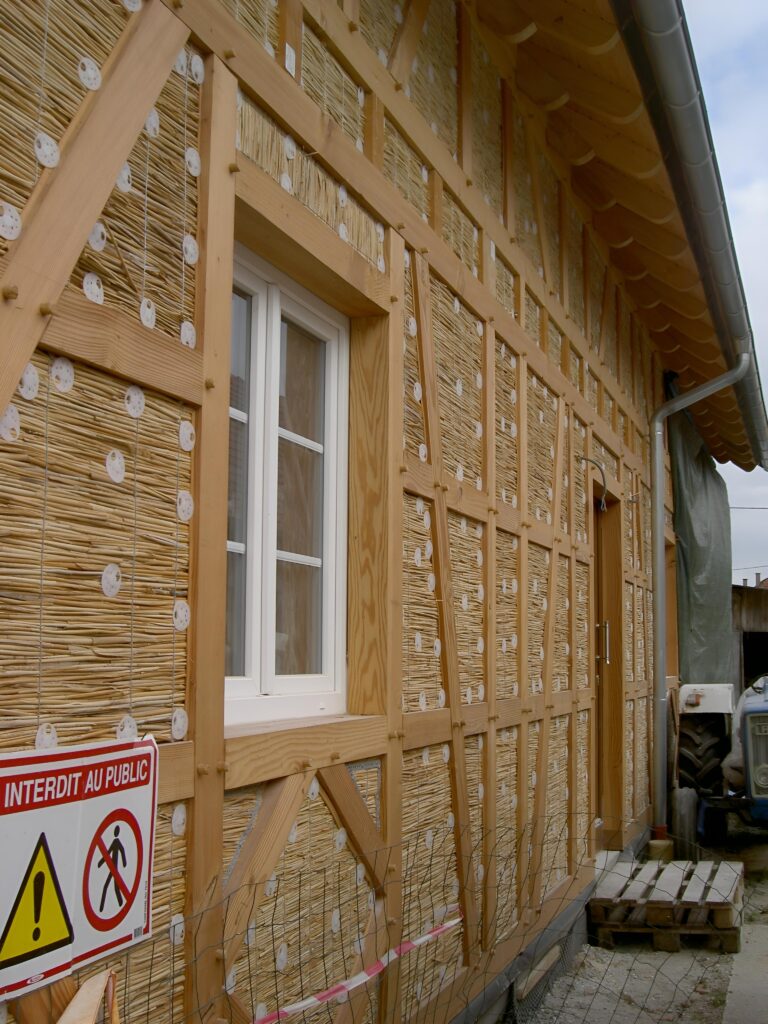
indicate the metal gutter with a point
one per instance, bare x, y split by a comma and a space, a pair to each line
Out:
656, 37
664, 411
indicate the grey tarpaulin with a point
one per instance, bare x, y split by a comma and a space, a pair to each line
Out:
703, 528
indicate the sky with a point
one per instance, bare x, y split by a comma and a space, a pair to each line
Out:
730, 41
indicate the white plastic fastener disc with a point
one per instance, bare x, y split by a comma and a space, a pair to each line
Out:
179, 723
127, 728
446, 753
437, 647
196, 69
417, 393
98, 237
62, 374
192, 160
422, 452
188, 334
181, 615
425, 757
281, 960
177, 929
343, 232
336, 922
148, 313
456, 305
459, 387
314, 790
10, 222
190, 250
441, 698
46, 150
29, 385
93, 289
89, 74
381, 265
289, 147
230, 982
46, 737
340, 840
429, 838
179, 820
185, 506
180, 67
134, 401
115, 463
111, 579
152, 124
10, 426
412, 326
186, 436
124, 179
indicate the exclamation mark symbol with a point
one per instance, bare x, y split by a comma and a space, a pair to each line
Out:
38, 884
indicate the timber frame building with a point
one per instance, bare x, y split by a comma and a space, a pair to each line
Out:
331, 337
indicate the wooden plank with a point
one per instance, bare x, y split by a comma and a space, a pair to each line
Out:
46, 1005
68, 199
620, 223
725, 886
290, 23
204, 984
541, 88
612, 881
274, 750
505, 20
350, 810
176, 779
373, 130
118, 344
697, 883
406, 40
257, 859
601, 96
644, 198
291, 237
622, 150
489, 750
662, 903
642, 882
574, 24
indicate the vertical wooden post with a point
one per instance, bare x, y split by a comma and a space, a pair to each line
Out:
563, 226
290, 29
465, 92
204, 981
508, 158
373, 141
435, 187
489, 475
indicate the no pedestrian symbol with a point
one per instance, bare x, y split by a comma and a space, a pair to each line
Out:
112, 870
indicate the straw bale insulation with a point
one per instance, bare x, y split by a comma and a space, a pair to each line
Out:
582, 666
333, 89
487, 160
474, 757
583, 775
276, 153
96, 509
550, 229
507, 425
629, 761
526, 224
379, 20
143, 250
430, 879
460, 233
308, 930
556, 832
506, 286
458, 338
561, 666
506, 836
467, 546
259, 17
532, 317
575, 249
539, 561
404, 168
423, 687
507, 615
645, 527
542, 429
414, 436
53, 53
432, 83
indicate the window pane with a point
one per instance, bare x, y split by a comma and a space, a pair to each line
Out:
298, 633
237, 505
299, 499
302, 382
239, 378
235, 660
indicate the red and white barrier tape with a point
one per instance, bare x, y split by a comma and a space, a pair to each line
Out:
344, 987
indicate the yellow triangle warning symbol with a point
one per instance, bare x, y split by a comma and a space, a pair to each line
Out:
38, 921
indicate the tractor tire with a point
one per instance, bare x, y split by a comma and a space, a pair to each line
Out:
703, 744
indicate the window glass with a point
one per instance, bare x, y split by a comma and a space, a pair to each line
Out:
240, 369
302, 382
298, 632
235, 645
237, 501
299, 499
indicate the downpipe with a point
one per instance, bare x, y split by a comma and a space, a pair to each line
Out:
664, 411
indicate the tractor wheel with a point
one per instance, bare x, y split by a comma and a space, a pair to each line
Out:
703, 745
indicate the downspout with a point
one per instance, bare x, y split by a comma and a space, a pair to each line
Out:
664, 411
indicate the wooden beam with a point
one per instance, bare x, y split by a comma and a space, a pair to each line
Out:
538, 205
569, 145
640, 197
176, 777
620, 149
650, 292
373, 130
538, 84
600, 96
464, 89
204, 983
620, 225
290, 21
662, 317
257, 859
68, 199
46, 1005
637, 261
571, 23
504, 20
117, 343
348, 806
406, 40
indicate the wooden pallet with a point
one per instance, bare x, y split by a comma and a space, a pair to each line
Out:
670, 901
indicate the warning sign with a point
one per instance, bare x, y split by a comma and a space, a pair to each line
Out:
77, 835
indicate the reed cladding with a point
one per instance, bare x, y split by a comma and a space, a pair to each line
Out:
550, 230
43, 45
487, 158
507, 844
259, 17
629, 633
414, 437
72, 656
628, 804
531, 784
506, 286
583, 773
507, 425
581, 478
576, 368
608, 459
379, 20
507, 615
565, 479
538, 599
532, 318
556, 833
625, 353
460, 233
643, 777
432, 82
333, 89
641, 674
542, 427
575, 253
467, 548
610, 329
554, 343
597, 272
581, 661
474, 760
527, 228
591, 388
423, 685
561, 672
405, 170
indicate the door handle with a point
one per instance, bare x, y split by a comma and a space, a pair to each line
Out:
607, 642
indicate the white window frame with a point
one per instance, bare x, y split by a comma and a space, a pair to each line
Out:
260, 695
